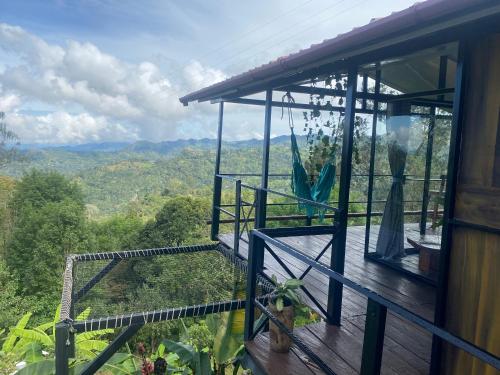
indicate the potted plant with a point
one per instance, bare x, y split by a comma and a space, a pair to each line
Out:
282, 304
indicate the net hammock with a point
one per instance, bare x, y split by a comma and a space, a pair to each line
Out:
301, 185
111, 290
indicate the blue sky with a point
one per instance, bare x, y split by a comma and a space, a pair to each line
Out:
108, 70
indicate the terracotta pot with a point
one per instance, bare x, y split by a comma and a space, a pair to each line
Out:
280, 342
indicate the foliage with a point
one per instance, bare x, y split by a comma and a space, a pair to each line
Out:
285, 293
324, 132
8, 141
197, 360
181, 220
49, 223
11, 303
35, 345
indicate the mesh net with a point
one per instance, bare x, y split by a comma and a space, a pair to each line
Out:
151, 283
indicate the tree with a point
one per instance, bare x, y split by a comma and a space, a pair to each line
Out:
8, 140
181, 220
49, 223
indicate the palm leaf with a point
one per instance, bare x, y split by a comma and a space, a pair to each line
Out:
57, 318
8, 345
84, 314
94, 345
230, 333
45, 326
33, 335
32, 352
45, 367
93, 334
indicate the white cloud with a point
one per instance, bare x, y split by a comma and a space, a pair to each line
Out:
9, 102
62, 127
108, 92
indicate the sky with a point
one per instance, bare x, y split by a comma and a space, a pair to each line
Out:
74, 72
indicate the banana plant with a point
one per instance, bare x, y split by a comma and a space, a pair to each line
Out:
34, 345
197, 361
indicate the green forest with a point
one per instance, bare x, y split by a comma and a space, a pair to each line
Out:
56, 201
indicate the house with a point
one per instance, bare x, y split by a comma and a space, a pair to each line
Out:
437, 61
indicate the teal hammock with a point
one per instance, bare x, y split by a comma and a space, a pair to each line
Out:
320, 191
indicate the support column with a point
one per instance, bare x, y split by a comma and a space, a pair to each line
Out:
443, 62
267, 139
63, 346
371, 170
261, 194
335, 288
217, 181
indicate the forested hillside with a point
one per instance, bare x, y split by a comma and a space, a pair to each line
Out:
113, 177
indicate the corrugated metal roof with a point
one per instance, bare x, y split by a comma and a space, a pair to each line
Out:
417, 16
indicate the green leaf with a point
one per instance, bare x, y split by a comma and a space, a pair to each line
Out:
293, 297
92, 334
93, 345
32, 352
84, 314
160, 351
293, 283
185, 352
204, 364
45, 326
33, 335
279, 304
44, 367
8, 345
274, 279
57, 318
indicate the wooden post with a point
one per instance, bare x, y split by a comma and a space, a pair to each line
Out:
335, 288
217, 180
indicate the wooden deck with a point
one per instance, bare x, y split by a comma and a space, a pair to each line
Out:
406, 348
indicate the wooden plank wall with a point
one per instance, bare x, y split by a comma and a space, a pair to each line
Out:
473, 305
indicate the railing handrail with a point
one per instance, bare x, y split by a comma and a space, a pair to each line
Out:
447, 336
409, 177
301, 200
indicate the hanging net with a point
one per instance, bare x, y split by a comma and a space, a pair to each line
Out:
109, 290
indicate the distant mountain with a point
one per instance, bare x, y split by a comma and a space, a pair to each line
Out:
163, 148
86, 147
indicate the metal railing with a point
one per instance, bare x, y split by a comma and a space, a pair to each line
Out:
241, 219
373, 342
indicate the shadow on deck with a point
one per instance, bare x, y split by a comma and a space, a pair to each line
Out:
407, 347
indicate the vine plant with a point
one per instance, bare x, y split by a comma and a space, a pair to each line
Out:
324, 132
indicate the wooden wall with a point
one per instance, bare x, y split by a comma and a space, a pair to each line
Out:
473, 305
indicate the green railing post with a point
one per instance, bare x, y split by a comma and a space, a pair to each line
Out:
217, 180
373, 342
215, 210
260, 221
335, 288
237, 215
63, 344
255, 247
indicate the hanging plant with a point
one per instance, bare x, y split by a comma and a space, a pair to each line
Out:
324, 132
